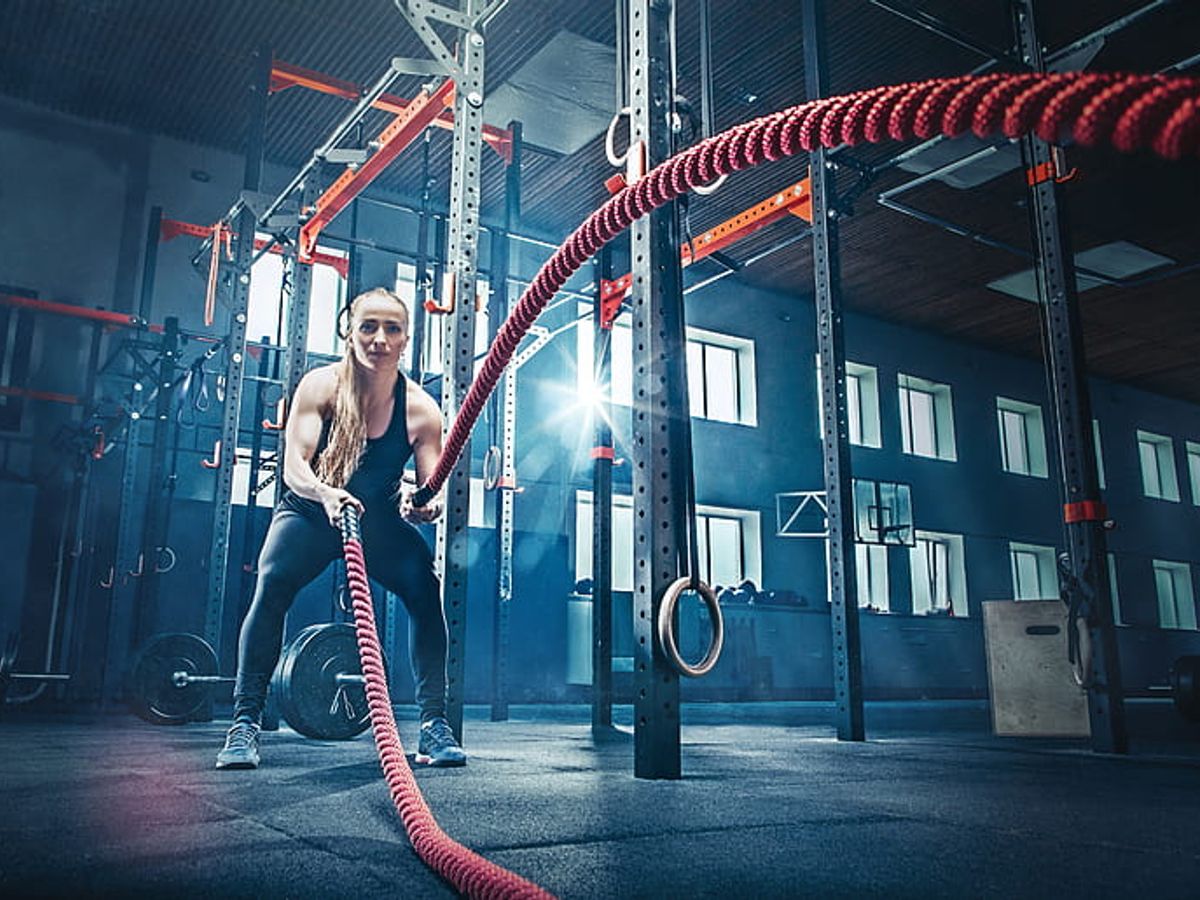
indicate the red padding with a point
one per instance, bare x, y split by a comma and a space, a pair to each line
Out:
603, 453
1085, 511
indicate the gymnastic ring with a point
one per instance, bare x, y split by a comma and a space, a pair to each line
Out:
704, 190
666, 633
491, 468
610, 142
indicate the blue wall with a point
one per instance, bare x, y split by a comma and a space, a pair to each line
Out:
96, 184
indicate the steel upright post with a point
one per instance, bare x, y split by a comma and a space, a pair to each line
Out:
659, 401
218, 560
152, 537
847, 660
503, 420
602, 465
122, 605
1087, 585
295, 348
459, 346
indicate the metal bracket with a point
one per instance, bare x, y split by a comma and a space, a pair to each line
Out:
428, 67
347, 156
417, 13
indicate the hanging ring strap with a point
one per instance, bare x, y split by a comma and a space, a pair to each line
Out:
610, 137
666, 631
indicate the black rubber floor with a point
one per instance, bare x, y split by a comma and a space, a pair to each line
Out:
768, 807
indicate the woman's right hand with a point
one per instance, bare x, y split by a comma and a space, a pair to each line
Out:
334, 500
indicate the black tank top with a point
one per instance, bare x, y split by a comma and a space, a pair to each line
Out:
380, 467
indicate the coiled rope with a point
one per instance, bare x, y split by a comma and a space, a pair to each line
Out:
1131, 112
468, 872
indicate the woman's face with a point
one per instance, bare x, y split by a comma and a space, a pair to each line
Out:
379, 333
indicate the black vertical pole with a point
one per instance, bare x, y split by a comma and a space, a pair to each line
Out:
602, 463
421, 273
847, 660
502, 427
150, 262
1088, 587
659, 404
153, 537
218, 560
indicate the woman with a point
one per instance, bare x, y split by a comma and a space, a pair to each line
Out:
352, 427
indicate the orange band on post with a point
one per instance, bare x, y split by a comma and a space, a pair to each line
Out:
1085, 511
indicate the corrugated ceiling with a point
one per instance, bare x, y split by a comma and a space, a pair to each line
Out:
180, 68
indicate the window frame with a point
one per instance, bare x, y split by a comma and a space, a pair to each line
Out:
872, 579
1046, 571
1165, 476
750, 532
956, 573
1182, 602
1033, 437
1192, 453
263, 305
862, 405
941, 407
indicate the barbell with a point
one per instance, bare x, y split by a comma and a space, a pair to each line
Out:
7, 676
318, 683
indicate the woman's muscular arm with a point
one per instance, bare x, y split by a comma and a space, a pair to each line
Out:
304, 422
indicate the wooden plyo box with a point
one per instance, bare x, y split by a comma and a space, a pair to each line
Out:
1033, 690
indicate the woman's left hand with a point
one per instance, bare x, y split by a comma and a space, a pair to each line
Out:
419, 514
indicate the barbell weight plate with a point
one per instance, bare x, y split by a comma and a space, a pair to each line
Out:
310, 698
1185, 687
154, 695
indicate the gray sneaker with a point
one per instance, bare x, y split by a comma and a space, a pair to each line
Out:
241, 747
438, 747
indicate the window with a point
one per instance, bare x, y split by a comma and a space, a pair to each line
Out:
266, 314
721, 377
862, 404
870, 566
622, 539
1099, 454
729, 542
1022, 437
1157, 455
435, 324
1034, 573
267, 483
926, 418
1193, 462
939, 575
721, 383
621, 383
1176, 602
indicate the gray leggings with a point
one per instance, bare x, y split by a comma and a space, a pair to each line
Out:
297, 549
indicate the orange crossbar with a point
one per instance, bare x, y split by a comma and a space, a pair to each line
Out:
285, 75
795, 200
402, 131
172, 228
51, 396
123, 320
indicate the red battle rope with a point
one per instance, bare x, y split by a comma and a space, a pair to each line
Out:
468, 872
1132, 112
